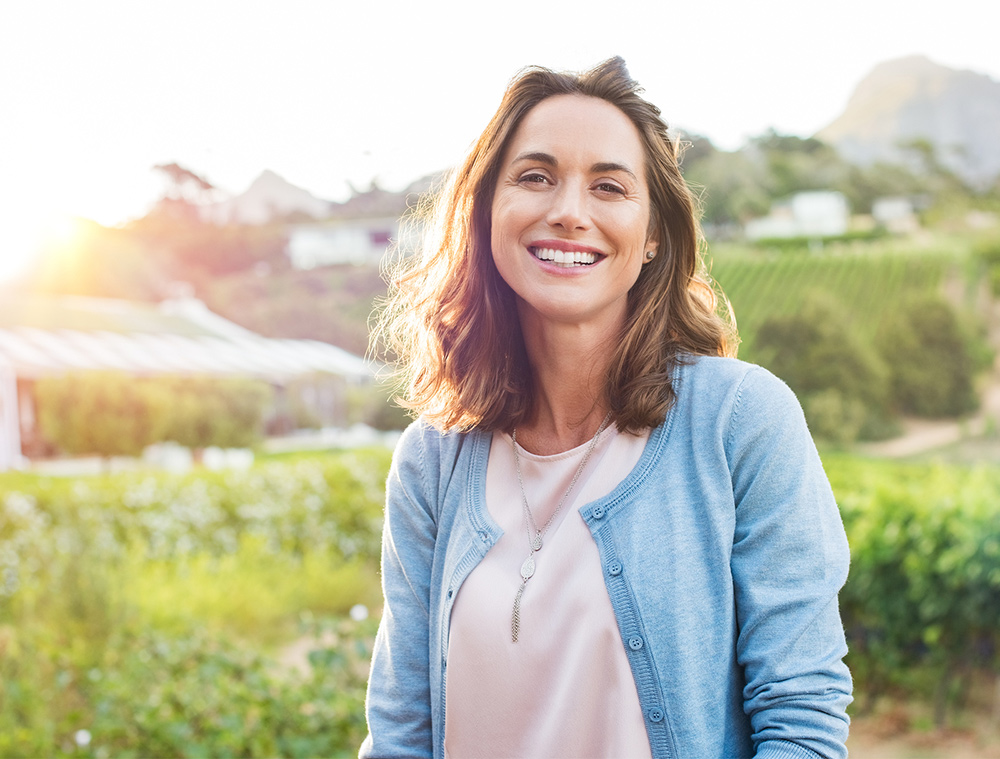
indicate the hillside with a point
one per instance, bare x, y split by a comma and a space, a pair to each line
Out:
914, 98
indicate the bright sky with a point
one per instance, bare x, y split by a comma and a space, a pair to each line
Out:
94, 93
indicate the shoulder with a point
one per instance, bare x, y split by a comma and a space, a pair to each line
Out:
710, 380
738, 404
428, 458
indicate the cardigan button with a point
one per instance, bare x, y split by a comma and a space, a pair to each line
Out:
635, 642
615, 568
655, 714
598, 512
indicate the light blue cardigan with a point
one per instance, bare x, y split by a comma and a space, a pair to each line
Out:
723, 553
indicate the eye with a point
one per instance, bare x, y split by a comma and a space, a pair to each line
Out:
609, 187
533, 177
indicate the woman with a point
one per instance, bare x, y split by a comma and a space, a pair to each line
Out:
603, 536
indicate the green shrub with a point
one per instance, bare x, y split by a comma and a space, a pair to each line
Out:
837, 376
106, 413
833, 416
137, 607
116, 414
931, 365
924, 585
372, 405
210, 411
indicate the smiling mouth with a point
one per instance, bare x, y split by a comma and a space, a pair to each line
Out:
566, 258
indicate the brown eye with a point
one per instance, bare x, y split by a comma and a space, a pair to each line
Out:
534, 178
609, 187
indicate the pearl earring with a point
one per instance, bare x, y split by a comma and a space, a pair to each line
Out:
650, 254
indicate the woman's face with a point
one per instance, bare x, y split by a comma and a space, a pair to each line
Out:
571, 212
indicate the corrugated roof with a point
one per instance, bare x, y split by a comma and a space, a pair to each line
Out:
58, 335
35, 353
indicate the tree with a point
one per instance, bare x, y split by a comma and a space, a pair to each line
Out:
841, 381
103, 413
930, 362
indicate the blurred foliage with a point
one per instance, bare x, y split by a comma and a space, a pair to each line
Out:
373, 405
140, 608
145, 609
924, 585
213, 411
868, 281
739, 185
930, 361
840, 380
987, 252
920, 362
116, 414
107, 413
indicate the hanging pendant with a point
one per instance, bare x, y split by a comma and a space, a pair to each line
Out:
536, 544
515, 619
528, 568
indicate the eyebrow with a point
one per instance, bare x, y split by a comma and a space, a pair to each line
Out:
597, 168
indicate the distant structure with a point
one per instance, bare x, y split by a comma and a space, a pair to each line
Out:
361, 230
822, 213
269, 198
895, 214
42, 336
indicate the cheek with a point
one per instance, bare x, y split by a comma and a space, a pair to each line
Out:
505, 226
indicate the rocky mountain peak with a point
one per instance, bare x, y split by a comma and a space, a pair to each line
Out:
915, 98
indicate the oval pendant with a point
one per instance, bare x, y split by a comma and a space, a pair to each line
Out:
536, 544
528, 568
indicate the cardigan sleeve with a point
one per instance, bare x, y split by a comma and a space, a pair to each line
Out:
790, 558
398, 704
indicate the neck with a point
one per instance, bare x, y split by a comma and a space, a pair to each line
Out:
569, 363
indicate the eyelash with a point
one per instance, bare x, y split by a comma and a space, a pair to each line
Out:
608, 186
535, 178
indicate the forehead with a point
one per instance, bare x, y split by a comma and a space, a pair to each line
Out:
579, 127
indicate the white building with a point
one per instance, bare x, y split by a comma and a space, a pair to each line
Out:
895, 214
361, 230
45, 336
821, 213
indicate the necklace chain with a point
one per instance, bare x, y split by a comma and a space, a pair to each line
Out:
535, 536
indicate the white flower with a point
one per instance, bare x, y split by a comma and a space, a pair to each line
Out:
359, 612
82, 738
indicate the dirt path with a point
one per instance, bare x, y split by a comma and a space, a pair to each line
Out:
923, 435
884, 737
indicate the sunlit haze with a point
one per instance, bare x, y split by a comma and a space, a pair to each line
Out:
326, 93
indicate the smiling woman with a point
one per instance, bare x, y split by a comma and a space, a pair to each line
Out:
604, 536
570, 225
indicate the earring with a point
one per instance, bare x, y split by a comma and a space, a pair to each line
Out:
650, 254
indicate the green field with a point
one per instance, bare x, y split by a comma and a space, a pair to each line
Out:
869, 281
148, 615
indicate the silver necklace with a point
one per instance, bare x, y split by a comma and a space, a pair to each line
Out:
535, 536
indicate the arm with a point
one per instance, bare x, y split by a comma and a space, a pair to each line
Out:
790, 559
398, 705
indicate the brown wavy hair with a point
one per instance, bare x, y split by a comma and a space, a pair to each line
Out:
450, 321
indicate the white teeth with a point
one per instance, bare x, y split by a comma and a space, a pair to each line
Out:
565, 257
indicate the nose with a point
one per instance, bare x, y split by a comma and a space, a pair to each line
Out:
569, 207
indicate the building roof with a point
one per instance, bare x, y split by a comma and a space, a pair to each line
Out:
53, 335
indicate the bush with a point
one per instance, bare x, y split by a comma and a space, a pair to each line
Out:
372, 405
222, 412
139, 608
924, 585
116, 414
837, 377
931, 364
107, 413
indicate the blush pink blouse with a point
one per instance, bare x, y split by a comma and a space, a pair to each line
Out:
564, 689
